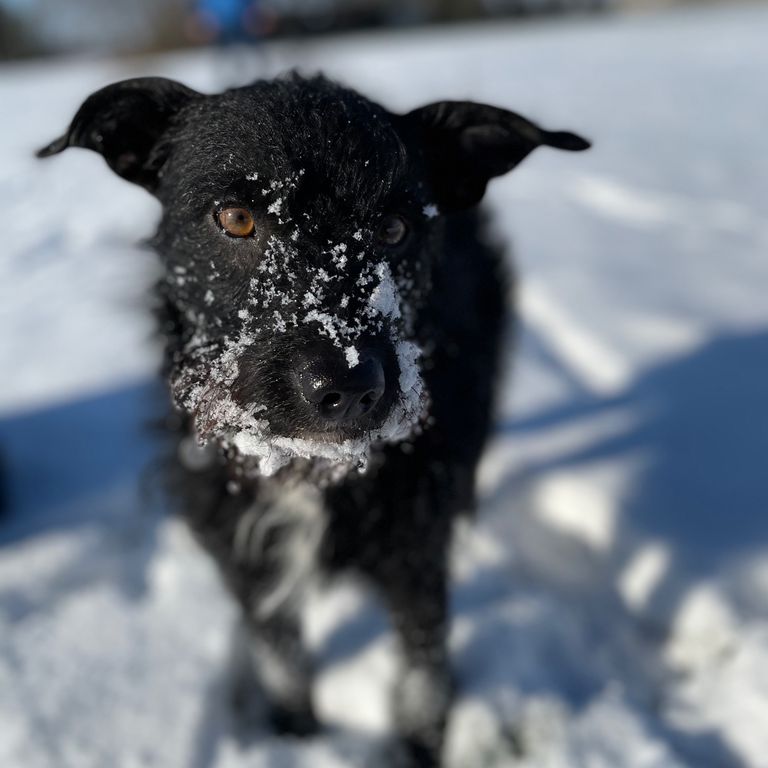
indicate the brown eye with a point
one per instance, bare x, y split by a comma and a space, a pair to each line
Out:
237, 222
392, 230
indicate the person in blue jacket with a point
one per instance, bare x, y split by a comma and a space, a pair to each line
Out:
228, 22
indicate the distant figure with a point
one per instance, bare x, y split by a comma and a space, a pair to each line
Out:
236, 28
228, 22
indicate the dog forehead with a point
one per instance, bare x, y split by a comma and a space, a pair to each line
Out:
339, 143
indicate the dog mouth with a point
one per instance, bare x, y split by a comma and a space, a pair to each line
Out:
274, 452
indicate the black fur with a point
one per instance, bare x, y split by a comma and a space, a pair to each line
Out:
249, 320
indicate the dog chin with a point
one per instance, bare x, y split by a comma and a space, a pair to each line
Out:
270, 453
330, 456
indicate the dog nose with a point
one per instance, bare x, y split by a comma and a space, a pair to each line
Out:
341, 394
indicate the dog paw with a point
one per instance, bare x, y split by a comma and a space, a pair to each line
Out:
301, 723
407, 754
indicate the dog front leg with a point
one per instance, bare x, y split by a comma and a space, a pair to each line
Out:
269, 660
417, 598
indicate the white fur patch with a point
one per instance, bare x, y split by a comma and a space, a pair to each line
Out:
297, 513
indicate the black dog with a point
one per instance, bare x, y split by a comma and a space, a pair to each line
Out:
333, 317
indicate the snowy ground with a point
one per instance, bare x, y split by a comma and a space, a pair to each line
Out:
611, 608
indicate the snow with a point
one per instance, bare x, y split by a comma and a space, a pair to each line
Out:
276, 206
352, 355
611, 603
384, 299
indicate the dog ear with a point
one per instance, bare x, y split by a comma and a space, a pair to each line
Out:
125, 123
467, 144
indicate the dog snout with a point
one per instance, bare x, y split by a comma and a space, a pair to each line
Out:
340, 395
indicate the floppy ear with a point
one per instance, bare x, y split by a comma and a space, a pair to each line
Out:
467, 144
125, 123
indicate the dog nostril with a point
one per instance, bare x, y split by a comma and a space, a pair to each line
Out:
367, 401
330, 401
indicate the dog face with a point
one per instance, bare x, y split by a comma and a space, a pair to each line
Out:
298, 266
301, 226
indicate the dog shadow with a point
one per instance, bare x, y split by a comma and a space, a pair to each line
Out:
701, 434
696, 443
82, 466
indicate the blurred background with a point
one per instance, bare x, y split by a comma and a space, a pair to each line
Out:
611, 603
45, 27
31, 28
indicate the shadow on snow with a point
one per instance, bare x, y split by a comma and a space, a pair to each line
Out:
702, 489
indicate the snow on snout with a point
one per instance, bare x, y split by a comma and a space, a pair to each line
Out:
384, 299
345, 298
381, 311
352, 355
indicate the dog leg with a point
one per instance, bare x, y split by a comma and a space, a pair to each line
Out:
422, 695
271, 663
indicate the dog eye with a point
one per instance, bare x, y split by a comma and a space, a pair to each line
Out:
237, 222
392, 230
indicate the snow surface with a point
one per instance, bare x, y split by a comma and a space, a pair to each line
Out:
611, 604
